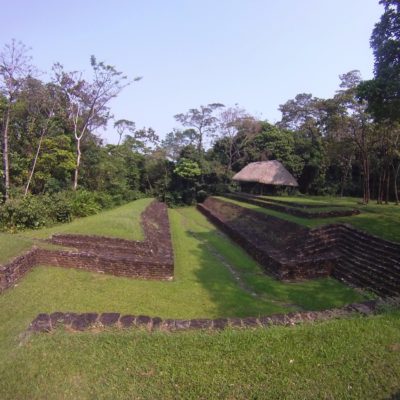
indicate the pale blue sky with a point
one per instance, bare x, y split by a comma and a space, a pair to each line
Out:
257, 53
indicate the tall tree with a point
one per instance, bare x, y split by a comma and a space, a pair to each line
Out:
231, 120
203, 120
383, 92
87, 102
354, 122
123, 127
43, 103
305, 115
176, 140
15, 67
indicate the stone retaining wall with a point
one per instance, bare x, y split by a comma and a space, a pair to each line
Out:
150, 259
87, 321
358, 259
281, 207
13, 271
276, 244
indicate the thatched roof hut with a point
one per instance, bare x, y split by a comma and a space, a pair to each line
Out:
267, 173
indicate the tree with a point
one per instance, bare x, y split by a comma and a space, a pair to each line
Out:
15, 67
202, 120
43, 102
176, 141
122, 126
231, 120
187, 169
383, 92
279, 144
353, 121
87, 102
304, 116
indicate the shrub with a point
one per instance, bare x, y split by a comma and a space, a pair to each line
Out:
28, 212
61, 207
84, 203
201, 196
33, 212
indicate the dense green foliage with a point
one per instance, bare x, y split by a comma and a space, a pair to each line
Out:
337, 146
383, 92
33, 212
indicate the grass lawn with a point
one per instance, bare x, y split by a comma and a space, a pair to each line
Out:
122, 222
356, 358
379, 220
12, 245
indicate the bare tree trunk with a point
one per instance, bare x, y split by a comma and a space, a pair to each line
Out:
381, 194
78, 162
387, 185
366, 190
344, 178
378, 200
34, 163
395, 175
6, 164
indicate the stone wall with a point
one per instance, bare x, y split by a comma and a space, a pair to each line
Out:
276, 244
151, 259
366, 261
13, 271
86, 321
354, 257
290, 209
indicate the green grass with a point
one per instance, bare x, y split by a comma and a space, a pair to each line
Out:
12, 245
356, 358
324, 206
379, 220
121, 222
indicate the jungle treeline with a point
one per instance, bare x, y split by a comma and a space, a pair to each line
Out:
56, 166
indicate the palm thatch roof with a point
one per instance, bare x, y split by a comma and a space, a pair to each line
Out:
267, 172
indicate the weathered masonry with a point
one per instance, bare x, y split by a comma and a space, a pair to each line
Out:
292, 252
149, 259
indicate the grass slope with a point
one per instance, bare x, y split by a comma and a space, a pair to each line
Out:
379, 220
12, 245
121, 222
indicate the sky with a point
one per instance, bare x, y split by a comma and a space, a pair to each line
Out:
254, 53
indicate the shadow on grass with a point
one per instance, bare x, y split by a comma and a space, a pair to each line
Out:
231, 293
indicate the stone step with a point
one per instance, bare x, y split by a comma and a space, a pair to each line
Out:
373, 268
352, 233
355, 279
346, 268
369, 256
367, 246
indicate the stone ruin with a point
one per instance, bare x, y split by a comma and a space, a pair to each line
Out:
291, 252
149, 259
